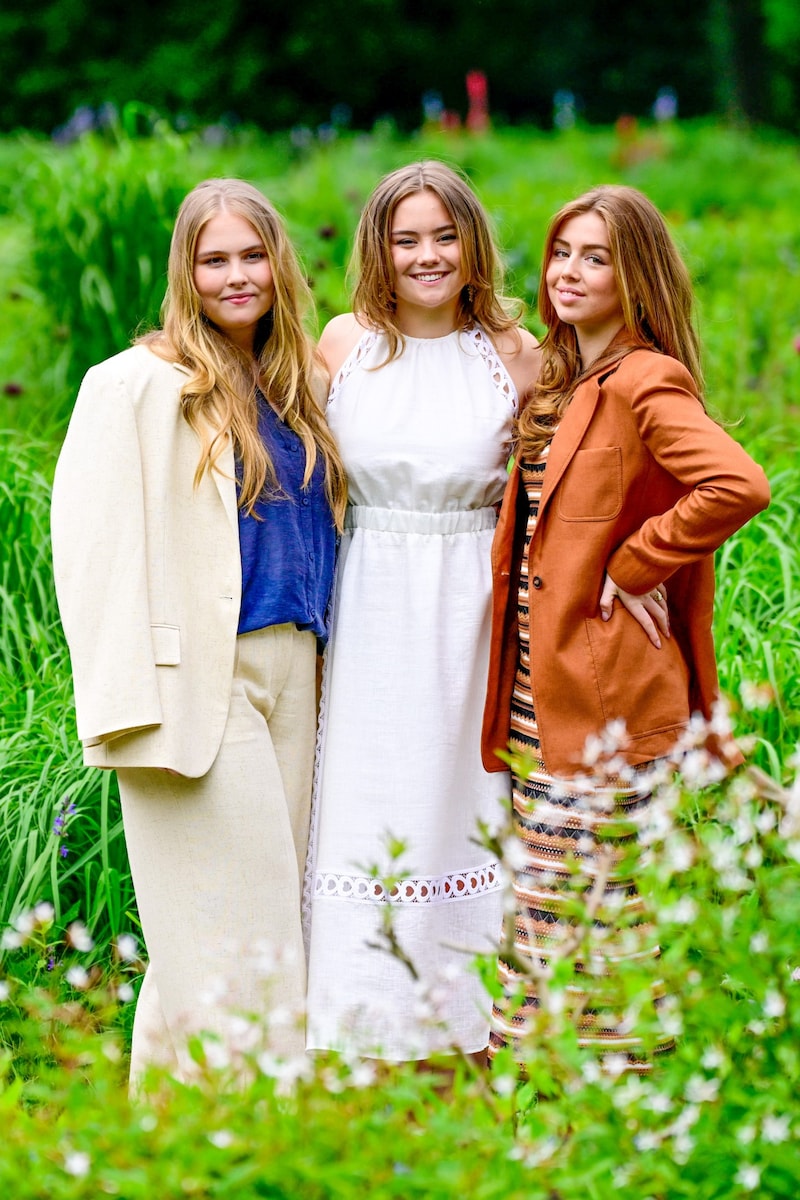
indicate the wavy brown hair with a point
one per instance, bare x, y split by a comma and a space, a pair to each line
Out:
480, 300
655, 293
219, 398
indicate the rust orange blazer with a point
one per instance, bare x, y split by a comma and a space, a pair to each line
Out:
641, 483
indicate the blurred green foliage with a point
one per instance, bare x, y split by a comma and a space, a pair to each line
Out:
275, 66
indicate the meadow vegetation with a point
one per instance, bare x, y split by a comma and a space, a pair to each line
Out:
84, 231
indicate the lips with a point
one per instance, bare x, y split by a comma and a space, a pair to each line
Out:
430, 277
239, 298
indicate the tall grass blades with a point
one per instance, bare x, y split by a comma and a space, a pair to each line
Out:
102, 213
60, 831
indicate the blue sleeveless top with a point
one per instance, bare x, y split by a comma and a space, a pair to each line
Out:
288, 554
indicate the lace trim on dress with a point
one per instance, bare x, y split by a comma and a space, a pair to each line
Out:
500, 376
359, 351
424, 889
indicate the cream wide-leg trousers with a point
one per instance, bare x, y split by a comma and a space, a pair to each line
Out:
217, 867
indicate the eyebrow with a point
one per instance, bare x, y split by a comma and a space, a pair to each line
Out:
246, 250
439, 229
588, 246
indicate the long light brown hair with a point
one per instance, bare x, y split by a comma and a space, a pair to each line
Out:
480, 300
219, 398
655, 293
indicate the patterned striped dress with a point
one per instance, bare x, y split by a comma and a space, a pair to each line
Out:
569, 841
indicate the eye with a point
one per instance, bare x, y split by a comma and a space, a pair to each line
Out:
449, 237
406, 241
257, 255
559, 253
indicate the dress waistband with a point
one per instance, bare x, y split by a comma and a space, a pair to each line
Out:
400, 520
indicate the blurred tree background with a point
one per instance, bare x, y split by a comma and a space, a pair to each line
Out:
274, 65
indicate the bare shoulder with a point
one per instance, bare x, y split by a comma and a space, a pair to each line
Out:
521, 356
339, 337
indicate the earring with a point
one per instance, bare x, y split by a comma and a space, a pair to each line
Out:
470, 293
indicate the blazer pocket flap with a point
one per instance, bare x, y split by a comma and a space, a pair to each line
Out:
166, 645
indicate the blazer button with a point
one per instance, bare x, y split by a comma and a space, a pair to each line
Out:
537, 581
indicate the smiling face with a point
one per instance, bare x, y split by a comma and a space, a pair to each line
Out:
233, 277
426, 257
581, 283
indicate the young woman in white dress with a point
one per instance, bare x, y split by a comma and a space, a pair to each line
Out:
426, 375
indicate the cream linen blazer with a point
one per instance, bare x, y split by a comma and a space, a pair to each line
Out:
147, 571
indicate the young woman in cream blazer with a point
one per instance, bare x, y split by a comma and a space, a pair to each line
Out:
194, 516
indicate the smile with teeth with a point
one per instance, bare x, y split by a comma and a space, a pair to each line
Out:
430, 277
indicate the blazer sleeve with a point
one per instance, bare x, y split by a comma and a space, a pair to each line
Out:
99, 561
724, 487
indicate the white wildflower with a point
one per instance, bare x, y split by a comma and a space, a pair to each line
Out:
77, 1163
77, 977
79, 937
796, 975
755, 695
748, 1176
686, 1118
615, 1064
216, 1053
362, 1075
647, 1140
774, 1004
753, 856
125, 993
775, 1129
684, 912
12, 939
221, 1138
765, 821
127, 947
44, 913
659, 1103
746, 1134
702, 1091
5, 990
287, 1073
682, 1147
713, 1059
24, 922
759, 943
515, 856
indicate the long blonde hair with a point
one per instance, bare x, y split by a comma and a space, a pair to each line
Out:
480, 300
219, 398
655, 293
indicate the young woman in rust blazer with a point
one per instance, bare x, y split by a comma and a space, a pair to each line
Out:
622, 489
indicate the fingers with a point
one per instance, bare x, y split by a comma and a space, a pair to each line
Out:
650, 610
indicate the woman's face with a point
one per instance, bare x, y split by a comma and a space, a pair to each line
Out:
426, 254
581, 283
233, 277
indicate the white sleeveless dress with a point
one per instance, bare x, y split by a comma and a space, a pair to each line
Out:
425, 441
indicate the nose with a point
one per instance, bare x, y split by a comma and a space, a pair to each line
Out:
236, 271
428, 250
569, 266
